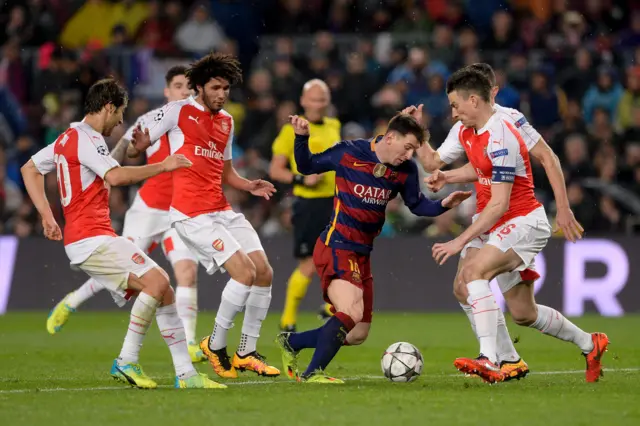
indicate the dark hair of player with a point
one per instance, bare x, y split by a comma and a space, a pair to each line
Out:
214, 65
406, 124
486, 70
104, 92
174, 72
467, 80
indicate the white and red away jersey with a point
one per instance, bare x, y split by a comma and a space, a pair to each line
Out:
80, 157
156, 192
451, 149
205, 139
499, 154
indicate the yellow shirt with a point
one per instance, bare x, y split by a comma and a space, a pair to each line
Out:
322, 136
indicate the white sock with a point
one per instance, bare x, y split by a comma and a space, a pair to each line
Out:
234, 298
141, 316
86, 291
187, 305
469, 311
255, 312
485, 316
506, 350
553, 323
173, 333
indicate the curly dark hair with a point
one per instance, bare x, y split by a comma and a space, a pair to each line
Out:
467, 80
104, 92
214, 65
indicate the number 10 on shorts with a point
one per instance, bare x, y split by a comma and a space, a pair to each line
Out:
355, 270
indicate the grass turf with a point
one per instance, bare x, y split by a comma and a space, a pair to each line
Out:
64, 380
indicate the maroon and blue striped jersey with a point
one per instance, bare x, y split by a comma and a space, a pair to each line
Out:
364, 186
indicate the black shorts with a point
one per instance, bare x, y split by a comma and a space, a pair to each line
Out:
310, 217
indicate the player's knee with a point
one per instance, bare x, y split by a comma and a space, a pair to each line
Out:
264, 275
460, 292
247, 274
470, 272
355, 312
357, 336
524, 315
186, 273
155, 283
169, 297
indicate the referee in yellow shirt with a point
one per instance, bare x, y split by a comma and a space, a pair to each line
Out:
313, 194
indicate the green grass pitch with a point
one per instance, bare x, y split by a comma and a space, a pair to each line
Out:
64, 380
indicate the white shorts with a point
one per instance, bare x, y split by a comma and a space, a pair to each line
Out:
215, 237
111, 263
142, 221
527, 236
149, 228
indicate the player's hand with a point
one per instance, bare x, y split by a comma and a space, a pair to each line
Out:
51, 229
566, 221
300, 125
455, 199
140, 139
174, 162
443, 251
261, 188
312, 180
415, 112
436, 181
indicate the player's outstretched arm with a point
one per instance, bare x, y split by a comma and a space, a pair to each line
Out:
258, 187
565, 219
122, 176
34, 182
423, 206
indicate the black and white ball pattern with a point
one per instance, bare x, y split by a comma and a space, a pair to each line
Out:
402, 362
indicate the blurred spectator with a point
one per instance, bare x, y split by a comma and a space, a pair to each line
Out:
502, 34
507, 96
200, 34
443, 49
576, 158
543, 101
576, 79
629, 100
604, 93
12, 72
414, 19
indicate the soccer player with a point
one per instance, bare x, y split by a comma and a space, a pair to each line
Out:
511, 364
313, 203
369, 173
201, 130
147, 224
83, 167
510, 229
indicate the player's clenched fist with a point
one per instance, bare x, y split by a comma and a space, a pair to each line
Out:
300, 125
436, 181
176, 161
51, 229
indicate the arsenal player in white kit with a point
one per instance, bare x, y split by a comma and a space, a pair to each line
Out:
510, 229
147, 224
202, 131
80, 157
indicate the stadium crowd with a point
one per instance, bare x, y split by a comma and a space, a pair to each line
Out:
573, 68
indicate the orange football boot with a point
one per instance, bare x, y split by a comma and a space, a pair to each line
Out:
594, 366
481, 366
219, 360
514, 369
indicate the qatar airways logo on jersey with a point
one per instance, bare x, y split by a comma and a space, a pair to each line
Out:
482, 178
371, 195
212, 152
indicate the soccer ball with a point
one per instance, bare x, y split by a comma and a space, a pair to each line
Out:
402, 362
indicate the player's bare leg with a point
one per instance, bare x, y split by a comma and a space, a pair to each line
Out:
527, 313
476, 274
358, 335
256, 309
234, 298
186, 274
511, 364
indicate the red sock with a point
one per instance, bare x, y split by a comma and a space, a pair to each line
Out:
346, 320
